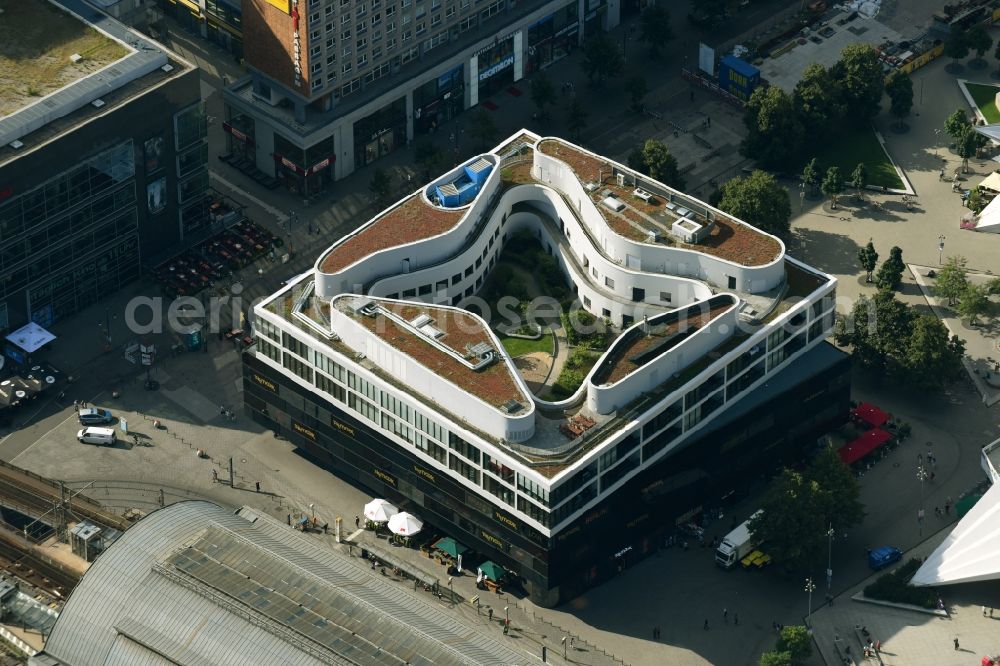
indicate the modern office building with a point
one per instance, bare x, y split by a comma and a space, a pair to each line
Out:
218, 21
103, 160
719, 374
336, 84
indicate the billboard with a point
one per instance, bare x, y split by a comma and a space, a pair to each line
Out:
280, 4
706, 59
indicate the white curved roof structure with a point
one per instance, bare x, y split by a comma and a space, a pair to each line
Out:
196, 584
972, 551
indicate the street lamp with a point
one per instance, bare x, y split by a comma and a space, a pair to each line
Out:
452, 590
940, 249
829, 562
802, 196
810, 587
564, 646
937, 138
921, 476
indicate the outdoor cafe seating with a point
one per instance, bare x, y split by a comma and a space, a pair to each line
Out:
864, 445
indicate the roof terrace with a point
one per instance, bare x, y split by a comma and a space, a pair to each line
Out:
454, 345
643, 220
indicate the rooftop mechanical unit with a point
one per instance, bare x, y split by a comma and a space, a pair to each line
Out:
86, 540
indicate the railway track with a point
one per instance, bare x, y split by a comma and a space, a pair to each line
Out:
48, 576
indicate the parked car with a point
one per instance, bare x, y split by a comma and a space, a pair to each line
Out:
95, 416
882, 557
99, 436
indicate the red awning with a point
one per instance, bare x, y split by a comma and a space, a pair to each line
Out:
871, 414
864, 445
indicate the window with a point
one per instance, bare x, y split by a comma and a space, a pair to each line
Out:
435, 451
345, 19
377, 72
492, 10
407, 18
362, 43
466, 24
314, 35
330, 59
314, 17
362, 59
298, 366
586, 301
436, 41
533, 489
421, 27
409, 55
345, 35
606, 313
608, 282
407, 36
316, 51
421, 11
665, 296
468, 471
360, 10
390, 11
331, 387
328, 11
376, 18
361, 28
347, 52
435, 21
390, 27
346, 68
363, 407
376, 54
390, 44
331, 42
316, 66
269, 350
329, 27
448, 13
467, 450
497, 489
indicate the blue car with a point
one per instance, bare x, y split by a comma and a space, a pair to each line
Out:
95, 416
882, 557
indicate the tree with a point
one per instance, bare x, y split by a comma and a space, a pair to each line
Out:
931, 360
956, 124
833, 184
993, 287
428, 156
483, 127
655, 28
602, 58
818, 101
775, 658
543, 93
890, 273
868, 257
859, 179
860, 72
976, 201
978, 40
797, 642
774, 133
968, 144
637, 88
996, 52
877, 329
654, 160
952, 280
759, 200
899, 87
956, 46
380, 186
799, 507
576, 118
974, 303
810, 175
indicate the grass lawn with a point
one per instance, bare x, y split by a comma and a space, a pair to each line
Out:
519, 346
985, 98
854, 146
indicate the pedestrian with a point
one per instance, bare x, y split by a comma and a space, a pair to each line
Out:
920, 458
325, 527
956, 643
658, 633
991, 612
984, 611
709, 119
491, 614
357, 521
736, 618
215, 476
947, 506
76, 405
937, 511
257, 483
725, 615
706, 624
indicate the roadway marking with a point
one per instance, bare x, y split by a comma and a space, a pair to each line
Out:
50, 431
282, 217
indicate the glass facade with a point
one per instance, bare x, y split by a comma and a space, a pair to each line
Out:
72, 239
191, 142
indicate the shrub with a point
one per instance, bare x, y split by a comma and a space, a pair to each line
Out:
892, 586
567, 384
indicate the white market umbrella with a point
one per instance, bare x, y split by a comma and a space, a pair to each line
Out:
405, 524
379, 510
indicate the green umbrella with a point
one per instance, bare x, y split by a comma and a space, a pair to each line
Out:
450, 546
492, 570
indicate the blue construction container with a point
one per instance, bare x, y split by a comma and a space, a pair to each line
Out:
738, 77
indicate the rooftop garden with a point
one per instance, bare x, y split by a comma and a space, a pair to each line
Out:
410, 221
36, 42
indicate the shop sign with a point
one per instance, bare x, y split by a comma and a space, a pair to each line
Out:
388, 478
622, 552
302, 430
496, 42
379, 133
636, 521
568, 533
424, 473
319, 166
238, 134
296, 45
568, 29
290, 164
504, 520
266, 383
342, 427
499, 67
6, 192
594, 515
491, 539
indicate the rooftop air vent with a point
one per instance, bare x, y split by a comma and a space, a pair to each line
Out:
97, 103
420, 320
167, 68
75, 58
480, 349
15, 144
512, 406
431, 332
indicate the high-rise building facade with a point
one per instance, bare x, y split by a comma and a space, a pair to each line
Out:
102, 168
337, 84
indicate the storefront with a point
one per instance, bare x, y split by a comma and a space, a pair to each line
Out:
380, 133
240, 136
437, 101
553, 38
594, 19
496, 67
306, 172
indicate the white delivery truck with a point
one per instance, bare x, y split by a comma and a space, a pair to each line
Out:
736, 545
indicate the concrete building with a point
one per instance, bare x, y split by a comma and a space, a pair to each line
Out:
194, 583
336, 84
103, 161
719, 373
218, 21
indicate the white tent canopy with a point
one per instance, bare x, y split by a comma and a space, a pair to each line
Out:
405, 524
380, 510
31, 337
969, 553
989, 131
989, 219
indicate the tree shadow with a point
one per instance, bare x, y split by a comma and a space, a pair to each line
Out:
954, 68
837, 253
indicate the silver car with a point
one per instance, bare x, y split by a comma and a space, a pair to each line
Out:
95, 416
